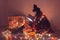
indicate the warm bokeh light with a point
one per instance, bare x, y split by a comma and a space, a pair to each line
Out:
16, 21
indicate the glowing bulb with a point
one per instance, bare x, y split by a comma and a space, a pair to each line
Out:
49, 35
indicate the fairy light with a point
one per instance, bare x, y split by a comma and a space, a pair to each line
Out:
49, 35
6, 34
